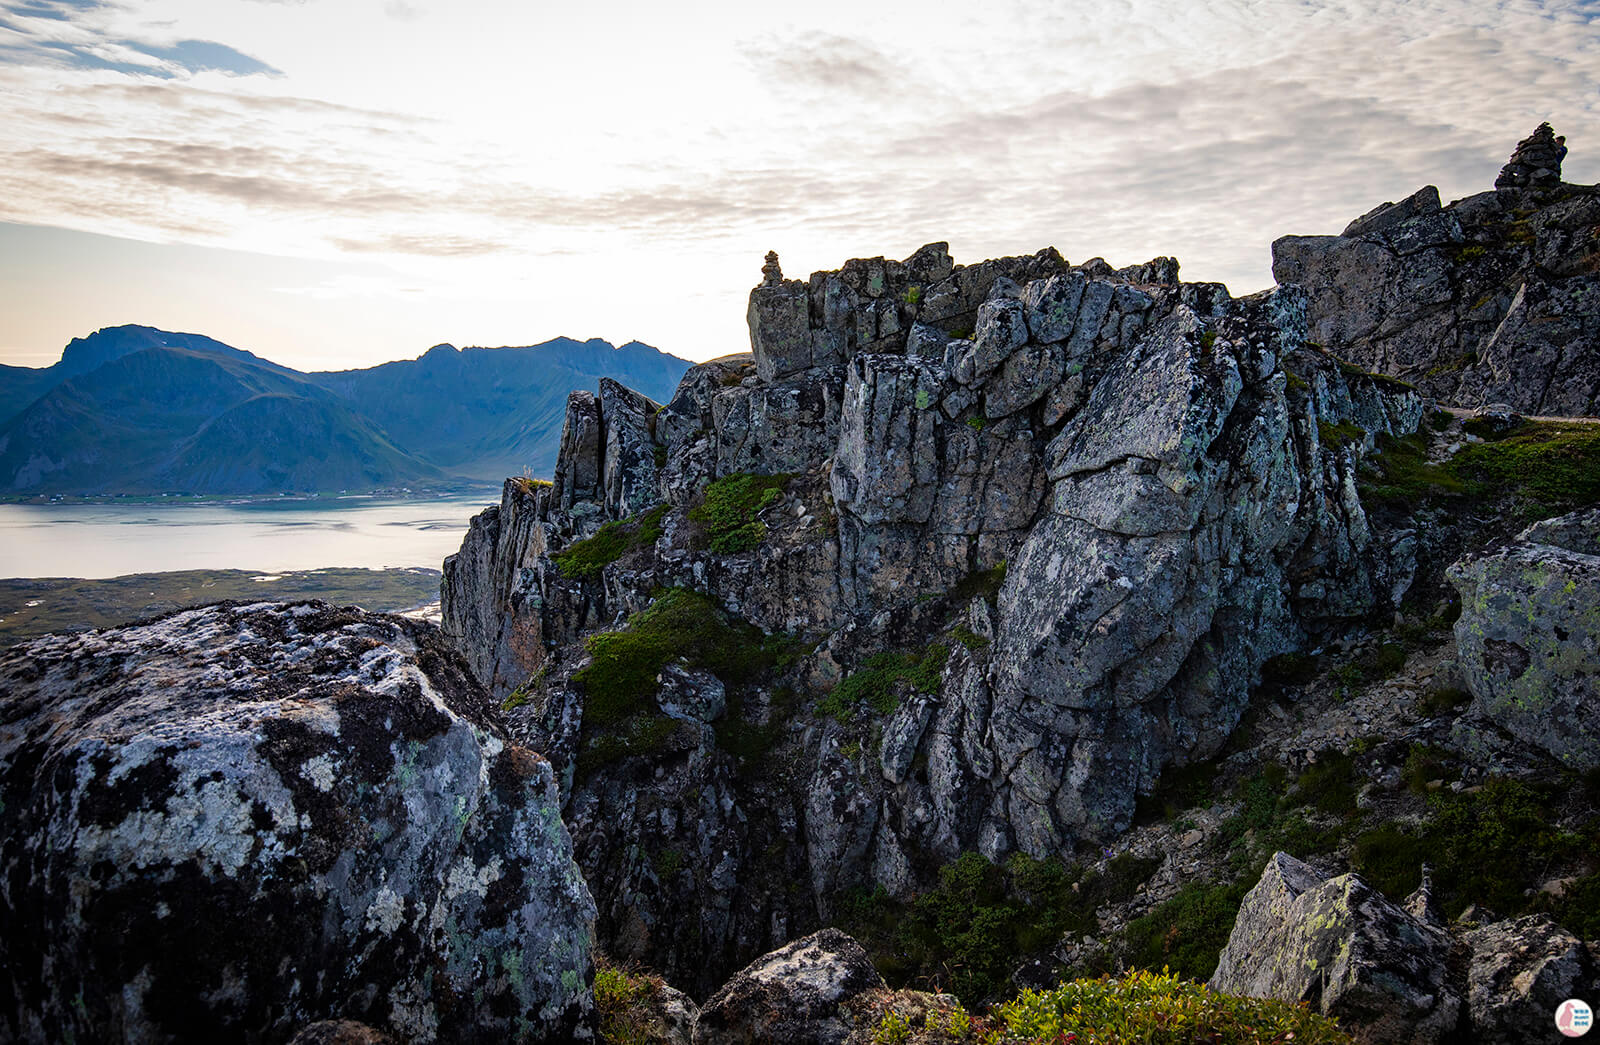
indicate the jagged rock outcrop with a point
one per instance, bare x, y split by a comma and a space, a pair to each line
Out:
1338, 945
1487, 300
1129, 491
797, 995
1529, 635
234, 821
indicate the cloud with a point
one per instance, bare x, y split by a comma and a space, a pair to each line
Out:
67, 34
401, 11
825, 61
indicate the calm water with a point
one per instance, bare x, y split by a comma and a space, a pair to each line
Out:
108, 540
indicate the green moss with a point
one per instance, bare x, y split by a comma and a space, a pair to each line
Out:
876, 683
923, 400
1472, 253
977, 423
731, 506
1187, 933
642, 736
661, 456
1389, 659
1426, 763
1294, 382
586, 558
1553, 464
680, 624
1146, 1007
913, 295
961, 331
968, 638
1337, 436
1207, 340
986, 583
1328, 786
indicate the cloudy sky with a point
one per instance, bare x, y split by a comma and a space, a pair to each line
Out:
334, 183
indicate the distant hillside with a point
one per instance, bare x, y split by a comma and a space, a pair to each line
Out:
140, 411
487, 413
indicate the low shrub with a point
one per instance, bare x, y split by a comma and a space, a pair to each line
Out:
876, 683
1157, 1009
1187, 933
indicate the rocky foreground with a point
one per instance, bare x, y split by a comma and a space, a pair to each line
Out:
1025, 619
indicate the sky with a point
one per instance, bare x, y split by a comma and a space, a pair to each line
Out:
336, 183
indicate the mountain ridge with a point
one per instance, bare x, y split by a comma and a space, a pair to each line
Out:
135, 410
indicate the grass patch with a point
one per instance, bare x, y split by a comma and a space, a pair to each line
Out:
731, 506
1179, 788
1158, 1008
625, 1004
1336, 437
586, 558
968, 638
876, 683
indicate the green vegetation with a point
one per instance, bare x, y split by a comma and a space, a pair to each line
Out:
1336, 437
923, 400
749, 743
1180, 788
1207, 340
1472, 253
977, 423
1146, 1008
625, 1003
620, 718
912, 295
1393, 384
967, 933
586, 558
968, 638
1491, 846
1187, 933
876, 682
731, 505
1441, 699
986, 583
1548, 466
73, 604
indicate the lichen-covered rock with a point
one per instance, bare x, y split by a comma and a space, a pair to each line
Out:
628, 464
1529, 635
1521, 971
797, 995
227, 823
1338, 945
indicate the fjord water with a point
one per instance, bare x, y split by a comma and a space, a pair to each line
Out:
112, 539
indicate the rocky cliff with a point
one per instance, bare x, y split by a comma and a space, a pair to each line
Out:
1023, 531
1492, 299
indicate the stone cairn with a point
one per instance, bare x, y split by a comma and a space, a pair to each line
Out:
771, 274
1536, 163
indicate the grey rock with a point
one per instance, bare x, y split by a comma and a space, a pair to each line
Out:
628, 464
1341, 947
1528, 636
578, 466
1052, 307
780, 329
256, 816
1423, 202
1521, 971
794, 996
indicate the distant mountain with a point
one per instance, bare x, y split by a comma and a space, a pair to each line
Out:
138, 410
487, 413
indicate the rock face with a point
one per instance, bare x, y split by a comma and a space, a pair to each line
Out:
1529, 635
1487, 300
1097, 499
236, 821
1521, 971
794, 996
1391, 976
1340, 946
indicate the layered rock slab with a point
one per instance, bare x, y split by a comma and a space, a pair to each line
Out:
235, 821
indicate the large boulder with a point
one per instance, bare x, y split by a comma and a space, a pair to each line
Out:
1529, 635
1338, 945
234, 821
797, 995
1521, 971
